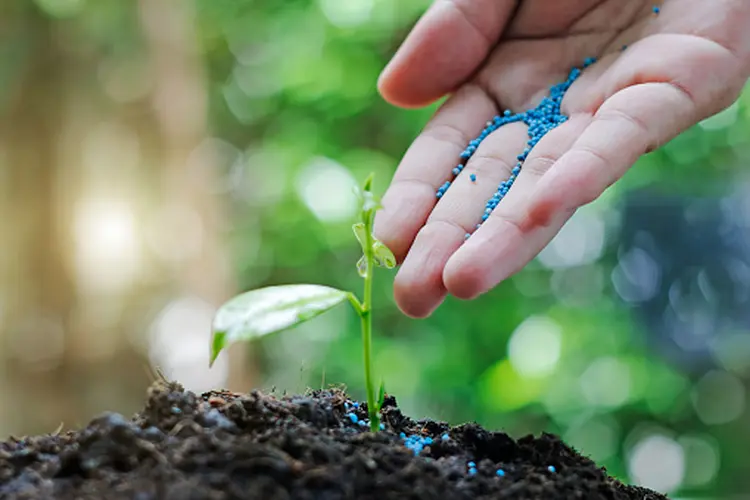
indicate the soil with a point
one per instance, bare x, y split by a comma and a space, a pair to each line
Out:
223, 445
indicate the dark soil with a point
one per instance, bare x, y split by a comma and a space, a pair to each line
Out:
230, 446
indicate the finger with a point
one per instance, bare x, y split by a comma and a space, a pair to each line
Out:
632, 122
419, 285
695, 66
445, 47
645, 103
416, 294
542, 18
501, 247
426, 165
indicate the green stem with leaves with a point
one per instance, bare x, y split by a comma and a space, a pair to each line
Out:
366, 318
261, 312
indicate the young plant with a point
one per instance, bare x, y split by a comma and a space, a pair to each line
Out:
264, 311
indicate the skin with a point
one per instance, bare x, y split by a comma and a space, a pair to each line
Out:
680, 67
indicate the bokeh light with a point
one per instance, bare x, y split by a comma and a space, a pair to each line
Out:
637, 276
327, 188
606, 382
178, 345
581, 241
719, 397
657, 462
702, 457
347, 14
596, 436
534, 347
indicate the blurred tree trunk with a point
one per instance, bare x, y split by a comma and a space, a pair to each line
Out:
68, 351
189, 177
38, 294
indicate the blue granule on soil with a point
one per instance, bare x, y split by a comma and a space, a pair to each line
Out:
214, 418
415, 442
551, 468
353, 417
540, 120
500, 473
445, 437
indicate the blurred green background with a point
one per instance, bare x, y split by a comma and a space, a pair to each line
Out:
158, 156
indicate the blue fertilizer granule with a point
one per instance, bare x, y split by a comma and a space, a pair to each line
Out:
415, 442
540, 120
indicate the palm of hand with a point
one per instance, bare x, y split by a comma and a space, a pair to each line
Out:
680, 66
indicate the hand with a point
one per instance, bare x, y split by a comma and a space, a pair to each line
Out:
680, 66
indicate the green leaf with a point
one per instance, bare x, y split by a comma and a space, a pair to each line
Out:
383, 255
261, 312
361, 234
367, 185
381, 395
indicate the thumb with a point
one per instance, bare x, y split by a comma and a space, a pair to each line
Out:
445, 47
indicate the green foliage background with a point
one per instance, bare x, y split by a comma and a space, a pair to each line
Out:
313, 95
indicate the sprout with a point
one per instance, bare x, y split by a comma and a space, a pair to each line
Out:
264, 311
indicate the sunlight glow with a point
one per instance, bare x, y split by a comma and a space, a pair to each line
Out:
107, 255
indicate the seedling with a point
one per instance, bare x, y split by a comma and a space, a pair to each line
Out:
264, 311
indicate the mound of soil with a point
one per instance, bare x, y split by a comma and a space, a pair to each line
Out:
223, 445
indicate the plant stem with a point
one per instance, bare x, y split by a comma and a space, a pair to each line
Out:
366, 317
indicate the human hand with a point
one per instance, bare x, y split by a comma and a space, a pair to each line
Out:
683, 65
